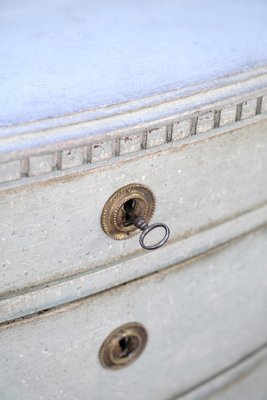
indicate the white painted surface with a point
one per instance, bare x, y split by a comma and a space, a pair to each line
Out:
51, 229
245, 380
82, 285
250, 386
200, 319
62, 57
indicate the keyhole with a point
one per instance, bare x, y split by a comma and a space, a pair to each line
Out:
125, 348
129, 204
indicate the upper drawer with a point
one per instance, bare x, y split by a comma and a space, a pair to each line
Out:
200, 319
51, 229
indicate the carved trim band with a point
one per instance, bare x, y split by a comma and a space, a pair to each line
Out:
109, 148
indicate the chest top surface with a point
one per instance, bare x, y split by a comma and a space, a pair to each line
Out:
62, 57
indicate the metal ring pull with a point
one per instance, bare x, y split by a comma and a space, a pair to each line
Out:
149, 228
141, 224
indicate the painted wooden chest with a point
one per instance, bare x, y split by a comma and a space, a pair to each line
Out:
144, 121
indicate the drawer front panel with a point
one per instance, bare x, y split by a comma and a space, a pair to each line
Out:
52, 229
252, 385
200, 319
245, 380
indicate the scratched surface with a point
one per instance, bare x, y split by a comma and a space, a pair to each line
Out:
206, 184
61, 57
200, 320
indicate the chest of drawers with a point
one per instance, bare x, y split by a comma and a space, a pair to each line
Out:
189, 319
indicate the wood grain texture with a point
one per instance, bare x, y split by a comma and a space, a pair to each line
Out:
200, 320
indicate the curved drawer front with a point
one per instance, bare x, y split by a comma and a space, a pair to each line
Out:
245, 380
84, 313
252, 385
51, 229
200, 319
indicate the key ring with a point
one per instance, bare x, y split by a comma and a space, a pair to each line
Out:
141, 224
150, 228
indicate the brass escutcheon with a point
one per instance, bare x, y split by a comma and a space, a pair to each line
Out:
113, 219
123, 346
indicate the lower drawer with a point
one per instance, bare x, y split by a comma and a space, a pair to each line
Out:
200, 317
245, 380
251, 385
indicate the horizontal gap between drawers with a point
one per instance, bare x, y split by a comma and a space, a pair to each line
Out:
89, 284
212, 386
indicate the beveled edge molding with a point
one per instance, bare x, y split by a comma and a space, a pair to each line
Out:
174, 254
41, 148
238, 78
229, 377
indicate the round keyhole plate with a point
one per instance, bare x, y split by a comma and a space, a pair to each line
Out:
123, 346
114, 220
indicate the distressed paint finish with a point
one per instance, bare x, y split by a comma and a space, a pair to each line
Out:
107, 148
51, 230
104, 127
252, 385
82, 285
244, 380
85, 55
216, 305
97, 109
